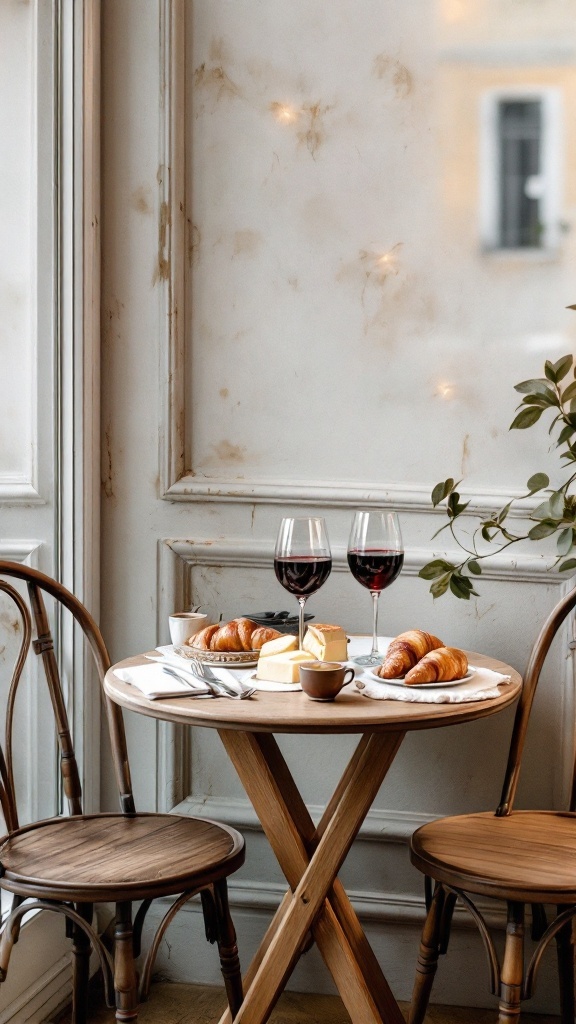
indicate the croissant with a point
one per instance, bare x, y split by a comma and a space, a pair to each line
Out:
237, 635
405, 651
439, 666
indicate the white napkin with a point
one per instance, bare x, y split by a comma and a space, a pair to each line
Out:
167, 656
155, 684
482, 686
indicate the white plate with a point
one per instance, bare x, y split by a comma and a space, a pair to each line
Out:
426, 686
273, 687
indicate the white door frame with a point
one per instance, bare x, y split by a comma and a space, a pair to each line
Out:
41, 980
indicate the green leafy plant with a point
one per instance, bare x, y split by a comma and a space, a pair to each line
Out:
555, 515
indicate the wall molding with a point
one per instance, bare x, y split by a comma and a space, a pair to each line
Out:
171, 266
26, 551
379, 826
45, 995
332, 493
371, 906
258, 554
16, 491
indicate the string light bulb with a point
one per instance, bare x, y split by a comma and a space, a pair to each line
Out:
284, 113
446, 390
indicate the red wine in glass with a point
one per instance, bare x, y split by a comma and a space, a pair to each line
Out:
375, 569
302, 559
302, 575
375, 557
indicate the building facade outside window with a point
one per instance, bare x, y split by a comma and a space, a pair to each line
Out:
520, 170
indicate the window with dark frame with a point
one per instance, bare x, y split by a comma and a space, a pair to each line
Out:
520, 168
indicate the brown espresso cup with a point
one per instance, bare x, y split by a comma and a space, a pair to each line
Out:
323, 680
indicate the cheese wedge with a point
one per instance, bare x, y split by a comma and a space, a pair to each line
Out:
326, 643
282, 668
280, 645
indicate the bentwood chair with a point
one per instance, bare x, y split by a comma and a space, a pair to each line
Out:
522, 857
66, 865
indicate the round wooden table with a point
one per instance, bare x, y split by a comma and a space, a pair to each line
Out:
311, 856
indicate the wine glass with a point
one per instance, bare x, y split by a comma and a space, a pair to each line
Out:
302, 560
375, 557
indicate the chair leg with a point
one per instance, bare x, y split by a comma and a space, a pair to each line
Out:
125, 979
227, 948
446, 922
565, 954
512, 975
81, 947
428, 957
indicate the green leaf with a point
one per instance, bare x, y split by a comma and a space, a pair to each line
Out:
557, 504
526, 418
569, 456
503, 513
475, 567
564, 541
544, 529
542, 511
437, 494
554, 422
539, 400
441, 585
536, 387
536, 483
571, 417
562, 366
461, 587
442, 490
453, 504
435, 568
569, 392
486, 533
565, 433
570, 307
550, 371
567, 566
545, 401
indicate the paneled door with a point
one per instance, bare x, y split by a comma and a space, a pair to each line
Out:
48, 403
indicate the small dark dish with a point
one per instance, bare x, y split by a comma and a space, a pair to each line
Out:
283, 621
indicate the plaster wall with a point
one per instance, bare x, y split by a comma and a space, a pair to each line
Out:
310, 325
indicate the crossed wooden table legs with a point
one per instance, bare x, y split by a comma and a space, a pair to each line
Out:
310, 858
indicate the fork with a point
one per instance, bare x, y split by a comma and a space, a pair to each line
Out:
205, 673
181, 677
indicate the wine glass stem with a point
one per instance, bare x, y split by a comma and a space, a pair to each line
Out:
301, 602
375, 596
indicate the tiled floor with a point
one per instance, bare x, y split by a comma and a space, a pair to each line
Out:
200, 1004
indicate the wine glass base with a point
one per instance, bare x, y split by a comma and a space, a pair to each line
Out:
368, 659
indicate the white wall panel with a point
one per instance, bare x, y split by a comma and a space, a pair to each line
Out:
345, 327
17, 253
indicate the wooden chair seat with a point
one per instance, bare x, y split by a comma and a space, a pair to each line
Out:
527, 855
526, 858
113, 857
69, 864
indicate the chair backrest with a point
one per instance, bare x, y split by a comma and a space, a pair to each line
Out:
34, 619
531, 678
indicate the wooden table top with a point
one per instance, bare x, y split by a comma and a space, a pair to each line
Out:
294, 712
